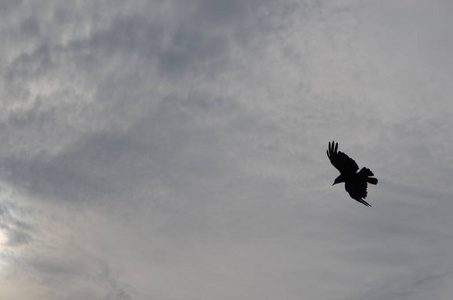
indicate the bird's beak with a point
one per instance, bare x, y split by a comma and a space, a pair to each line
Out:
333, 184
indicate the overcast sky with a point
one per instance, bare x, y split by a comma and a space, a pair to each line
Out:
177, 149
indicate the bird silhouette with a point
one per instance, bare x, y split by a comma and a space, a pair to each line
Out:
355, 182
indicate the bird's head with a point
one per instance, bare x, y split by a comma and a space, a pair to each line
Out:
339, 179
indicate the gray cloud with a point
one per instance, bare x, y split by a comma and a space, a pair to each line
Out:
408, 287
176, 150
16, 231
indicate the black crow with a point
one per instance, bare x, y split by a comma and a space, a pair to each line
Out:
355, 183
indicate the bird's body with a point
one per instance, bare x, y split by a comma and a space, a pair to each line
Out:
355, 182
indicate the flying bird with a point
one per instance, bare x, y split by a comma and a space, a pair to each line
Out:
355, 183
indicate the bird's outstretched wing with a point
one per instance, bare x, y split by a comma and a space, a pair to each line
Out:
357, 191
341, 161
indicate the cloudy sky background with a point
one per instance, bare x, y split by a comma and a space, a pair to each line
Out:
176, 149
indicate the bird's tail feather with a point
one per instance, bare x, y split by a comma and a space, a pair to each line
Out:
372, 180
367, 172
